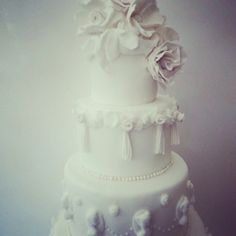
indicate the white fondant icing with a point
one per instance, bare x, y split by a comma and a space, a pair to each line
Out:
175, 139
165, 198
128, 133
129, 196
105, 155
95, 222
124, 119
142, 223
85, 138
67, 206
195, 228
78, 201
69, 215
114, 210
65, 201
182, 210
127, 152
190, 191
114, 84
160, 140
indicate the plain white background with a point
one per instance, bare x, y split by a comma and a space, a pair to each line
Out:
42, 73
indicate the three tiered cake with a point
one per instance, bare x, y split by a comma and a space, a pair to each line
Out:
126, 180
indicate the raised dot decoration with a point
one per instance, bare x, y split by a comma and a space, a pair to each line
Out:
182, 210
117, 118
165, 199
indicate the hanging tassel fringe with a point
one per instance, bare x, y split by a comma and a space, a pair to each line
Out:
175, 139
160, 140
127, 152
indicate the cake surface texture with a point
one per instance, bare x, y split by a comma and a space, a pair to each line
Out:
125, 179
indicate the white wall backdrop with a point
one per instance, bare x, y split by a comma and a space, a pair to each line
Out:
42, 73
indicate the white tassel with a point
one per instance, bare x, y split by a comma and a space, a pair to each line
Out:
160, 140
127, 152
85, 138
175, 139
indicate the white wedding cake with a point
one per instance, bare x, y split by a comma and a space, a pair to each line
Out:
126, 180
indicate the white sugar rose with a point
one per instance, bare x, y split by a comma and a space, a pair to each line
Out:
95, 16
127, 125
123, 5
164, 61
165, 199
160, 119
131, 5
145, 17
178, 116
108, 45
97, 20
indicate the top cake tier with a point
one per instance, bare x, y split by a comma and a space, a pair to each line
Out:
130, 49
123, 82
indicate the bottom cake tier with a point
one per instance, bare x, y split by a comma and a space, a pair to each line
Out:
157, 205
62, 227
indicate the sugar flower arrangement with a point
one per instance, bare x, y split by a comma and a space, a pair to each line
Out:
131, 27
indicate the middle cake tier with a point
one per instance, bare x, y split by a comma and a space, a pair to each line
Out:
131, 142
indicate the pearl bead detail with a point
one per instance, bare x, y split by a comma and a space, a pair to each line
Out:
155, 227
126, 178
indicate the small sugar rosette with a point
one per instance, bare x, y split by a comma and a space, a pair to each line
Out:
160, 119
178, 116
94, 20
144, 17
127, 125
164, 61
123, 5
95, 16
110, 44
141, 15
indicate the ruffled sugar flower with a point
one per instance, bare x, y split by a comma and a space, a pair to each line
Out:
95, 16
96, 20
145, 18
178, 116
122, 5
108, 45
133, 5
141, 15
164, 61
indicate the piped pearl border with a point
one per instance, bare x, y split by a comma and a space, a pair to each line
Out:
127, 178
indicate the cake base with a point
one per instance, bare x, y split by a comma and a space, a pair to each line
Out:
62, 227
